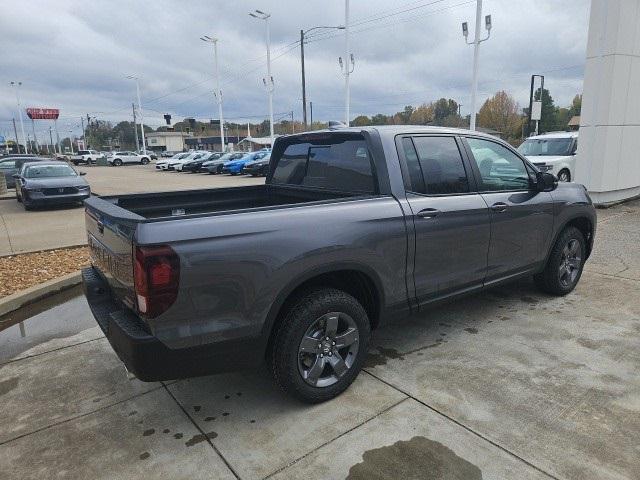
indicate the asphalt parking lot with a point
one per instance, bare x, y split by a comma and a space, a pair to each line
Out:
21, 231
510, 384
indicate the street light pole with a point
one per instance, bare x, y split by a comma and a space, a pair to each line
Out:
268, 81
303, 33
476, 54
24, 137
218, 92
144, 143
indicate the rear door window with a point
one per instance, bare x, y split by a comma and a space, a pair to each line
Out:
340, 162
438, 161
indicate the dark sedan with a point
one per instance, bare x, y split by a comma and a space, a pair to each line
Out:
195, 165
50, 183
257, 167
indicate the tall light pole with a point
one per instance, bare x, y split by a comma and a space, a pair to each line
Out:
144, 143
304, 85
24, 137
218, 92
476, 53
268, 81
347, 65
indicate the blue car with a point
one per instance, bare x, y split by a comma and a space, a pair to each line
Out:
234, 167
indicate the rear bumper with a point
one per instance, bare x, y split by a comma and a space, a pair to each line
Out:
147, 357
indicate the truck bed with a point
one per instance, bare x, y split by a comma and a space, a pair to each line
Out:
166, 205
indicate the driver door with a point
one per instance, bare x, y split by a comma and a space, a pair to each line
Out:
521, 216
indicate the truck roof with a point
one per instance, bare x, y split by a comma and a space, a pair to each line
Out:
396, 130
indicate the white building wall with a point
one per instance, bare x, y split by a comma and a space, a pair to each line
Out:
608, 158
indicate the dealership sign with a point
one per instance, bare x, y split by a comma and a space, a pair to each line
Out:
43, 113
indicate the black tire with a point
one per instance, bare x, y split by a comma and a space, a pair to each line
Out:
27, 206
287, 359
564, 175
144, 161
564, 268
117, 162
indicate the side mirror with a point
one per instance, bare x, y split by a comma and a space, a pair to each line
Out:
15, 175
82, 174
546, 182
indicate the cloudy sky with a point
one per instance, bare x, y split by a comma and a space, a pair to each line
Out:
74, 55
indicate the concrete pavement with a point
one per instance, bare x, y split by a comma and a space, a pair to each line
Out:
22, 231
508, 384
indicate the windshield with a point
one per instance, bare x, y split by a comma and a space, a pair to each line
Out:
546, 146
48, 171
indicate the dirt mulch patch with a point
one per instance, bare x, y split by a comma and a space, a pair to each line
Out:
25, 270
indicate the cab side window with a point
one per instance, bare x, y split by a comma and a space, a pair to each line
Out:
500, 168
435, 166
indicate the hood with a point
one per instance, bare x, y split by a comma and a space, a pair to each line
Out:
258, 162
546, 158
56, 182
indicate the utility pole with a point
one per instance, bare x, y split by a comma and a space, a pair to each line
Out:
268, 81
144, 143
303, 33
218, 92
311, 111
347, 65
476, 54
84, 134
135, 125
51, 140
24, 137
15, 131
55, 126
304, 87
293, 127
35, 140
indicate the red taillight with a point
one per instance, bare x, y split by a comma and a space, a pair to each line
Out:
156, 277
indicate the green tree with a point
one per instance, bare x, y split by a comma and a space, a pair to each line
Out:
361, 121
548, 116
576, 106
379, 119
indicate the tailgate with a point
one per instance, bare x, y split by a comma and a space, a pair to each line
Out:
110, 241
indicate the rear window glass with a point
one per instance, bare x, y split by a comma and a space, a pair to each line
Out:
338, 163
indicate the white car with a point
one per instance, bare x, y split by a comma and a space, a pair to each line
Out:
178, 164
174, 163
120, 158
553, 152
163, 164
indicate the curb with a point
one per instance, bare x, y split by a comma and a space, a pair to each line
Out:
66, 247
32, 294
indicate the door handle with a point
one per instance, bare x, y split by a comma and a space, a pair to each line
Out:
499, 207
428, 213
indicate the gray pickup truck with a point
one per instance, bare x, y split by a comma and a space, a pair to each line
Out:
353, 227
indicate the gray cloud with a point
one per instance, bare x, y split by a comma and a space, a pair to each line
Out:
74, 55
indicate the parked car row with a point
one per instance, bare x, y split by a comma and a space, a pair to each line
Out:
233, 163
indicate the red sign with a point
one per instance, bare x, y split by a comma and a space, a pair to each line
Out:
43, 113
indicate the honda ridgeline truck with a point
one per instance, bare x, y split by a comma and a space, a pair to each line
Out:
353, 227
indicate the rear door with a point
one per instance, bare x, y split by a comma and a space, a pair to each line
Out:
450, 218
521, 216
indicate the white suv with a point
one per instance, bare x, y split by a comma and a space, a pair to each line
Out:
553, 152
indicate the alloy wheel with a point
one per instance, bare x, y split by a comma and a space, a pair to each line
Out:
570, 263
328, 349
